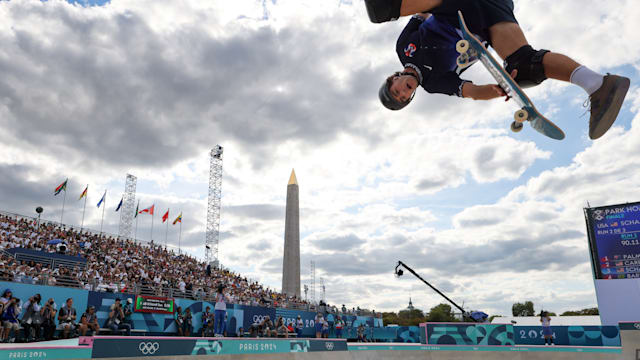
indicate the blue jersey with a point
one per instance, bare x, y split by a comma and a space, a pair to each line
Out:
429, 47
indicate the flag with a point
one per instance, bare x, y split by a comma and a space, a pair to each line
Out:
178, 219
84, 193
165, 216
606, 258
148, 210
619, 263
101, 200
61, 187
120, 204
137, 207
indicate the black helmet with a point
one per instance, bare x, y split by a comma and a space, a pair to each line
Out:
385, 93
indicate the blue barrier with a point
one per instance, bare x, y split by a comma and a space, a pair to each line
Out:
569, 335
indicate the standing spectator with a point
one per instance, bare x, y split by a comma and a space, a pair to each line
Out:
10, 319
89, 322
339, 324
206, 317
361, 336
281, 329
188, 323
128, 312
67, 318
116, 318
31, 319
319, 320
220, 310
299, 326
48, 313
545, 319
325, 328
177, 316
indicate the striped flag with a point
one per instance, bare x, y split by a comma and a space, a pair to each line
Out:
178, 219
148, 210
165, 216
101, 200
137, 207
84, 193
120, 204
61, 187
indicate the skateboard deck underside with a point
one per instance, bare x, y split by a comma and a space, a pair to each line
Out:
513, 90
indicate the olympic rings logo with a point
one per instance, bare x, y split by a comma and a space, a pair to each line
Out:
148, 348
637, 326
258, 318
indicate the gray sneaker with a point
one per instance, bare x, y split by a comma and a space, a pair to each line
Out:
606, 103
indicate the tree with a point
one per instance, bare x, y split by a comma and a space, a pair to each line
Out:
410, 317
441, 313
523, 309
583, 312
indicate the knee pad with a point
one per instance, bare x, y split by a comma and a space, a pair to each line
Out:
528, 62
380, 11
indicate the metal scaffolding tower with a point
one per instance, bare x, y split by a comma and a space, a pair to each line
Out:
127, 215
312, 271
323, 290
212, 237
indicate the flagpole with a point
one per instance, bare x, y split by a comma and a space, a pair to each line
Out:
104, 205
63, 200
152, 216
180, 237
166, 233
83, 209
135, 236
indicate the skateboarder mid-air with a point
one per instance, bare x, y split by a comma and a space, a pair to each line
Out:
427, 50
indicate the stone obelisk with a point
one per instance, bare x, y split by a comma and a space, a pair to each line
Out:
291, 261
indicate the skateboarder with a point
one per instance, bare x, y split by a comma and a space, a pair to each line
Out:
426, 49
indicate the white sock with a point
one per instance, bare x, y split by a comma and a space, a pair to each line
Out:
586, 78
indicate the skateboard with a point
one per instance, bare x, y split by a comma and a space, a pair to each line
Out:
470, 48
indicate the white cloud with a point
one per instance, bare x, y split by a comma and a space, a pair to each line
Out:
149, 87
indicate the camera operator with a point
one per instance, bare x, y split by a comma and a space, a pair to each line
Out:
31, 318
10, 318
48, 314
116, 318
89, 322
67, 318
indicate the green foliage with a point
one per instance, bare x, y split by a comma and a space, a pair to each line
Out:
583, 312
441, 313
523, 309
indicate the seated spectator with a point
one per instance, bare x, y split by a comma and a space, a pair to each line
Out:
89, 322
188, 323
31, 319
48, 315
281, 328
10, 319
67, 318
116, 318
269, 329
256, 329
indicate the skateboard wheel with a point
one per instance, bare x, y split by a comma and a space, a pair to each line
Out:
462, 60
516, 126
521, 115
462, 46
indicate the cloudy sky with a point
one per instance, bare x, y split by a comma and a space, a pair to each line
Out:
93, 90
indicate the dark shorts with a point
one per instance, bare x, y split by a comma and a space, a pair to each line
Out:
478, 14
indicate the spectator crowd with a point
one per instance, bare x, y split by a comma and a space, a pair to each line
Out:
122, 266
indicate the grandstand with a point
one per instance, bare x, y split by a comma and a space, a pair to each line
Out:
64, 256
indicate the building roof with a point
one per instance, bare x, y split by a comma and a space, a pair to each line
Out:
591, 320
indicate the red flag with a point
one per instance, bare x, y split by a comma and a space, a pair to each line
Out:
165, 216
148, 210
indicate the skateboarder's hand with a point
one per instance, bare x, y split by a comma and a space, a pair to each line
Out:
482, 92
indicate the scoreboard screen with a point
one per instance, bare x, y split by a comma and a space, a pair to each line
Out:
614, 240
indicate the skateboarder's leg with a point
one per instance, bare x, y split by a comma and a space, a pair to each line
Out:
380, 11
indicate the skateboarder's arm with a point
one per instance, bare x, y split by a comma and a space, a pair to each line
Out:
481, 92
